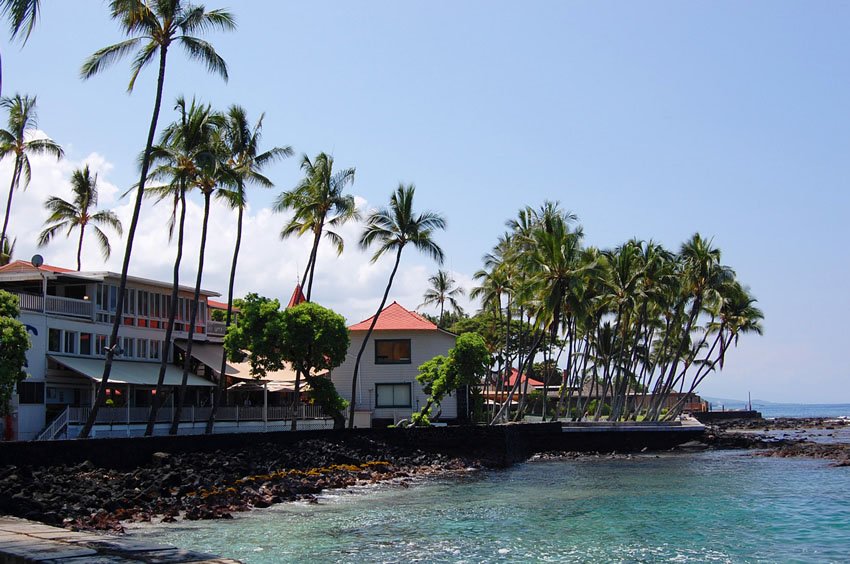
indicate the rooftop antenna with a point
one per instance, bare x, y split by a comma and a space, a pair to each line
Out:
37, 260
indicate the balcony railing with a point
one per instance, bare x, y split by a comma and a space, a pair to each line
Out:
190, 414
55, 304
216, 328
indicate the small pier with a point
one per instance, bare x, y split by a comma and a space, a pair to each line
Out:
28, 541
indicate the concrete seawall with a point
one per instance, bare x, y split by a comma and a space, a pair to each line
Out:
496, 446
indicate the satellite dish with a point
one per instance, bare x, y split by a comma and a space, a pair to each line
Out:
37, 260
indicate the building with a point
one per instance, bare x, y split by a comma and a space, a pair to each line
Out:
387, 390
69, 317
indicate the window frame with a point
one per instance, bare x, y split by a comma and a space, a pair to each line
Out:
408, 360
394, 385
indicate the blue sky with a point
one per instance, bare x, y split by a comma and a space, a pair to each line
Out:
650, 119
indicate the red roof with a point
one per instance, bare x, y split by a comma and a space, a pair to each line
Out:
513, 376
217, 305
19, 265
396, 318
297, 297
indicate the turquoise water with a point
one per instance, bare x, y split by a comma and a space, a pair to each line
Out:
702, 507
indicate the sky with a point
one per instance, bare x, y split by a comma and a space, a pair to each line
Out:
653, 120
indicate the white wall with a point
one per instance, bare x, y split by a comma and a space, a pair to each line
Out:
424, 345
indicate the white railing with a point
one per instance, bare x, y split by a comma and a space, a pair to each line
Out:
56, 427
30, 302
68, 306
191, 414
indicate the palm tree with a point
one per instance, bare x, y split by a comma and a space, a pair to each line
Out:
318, 201
393, 228
246, 163
210, 170
22, 16
153, 27
182, 145
6, 251
443, 290
68, 215
23, 121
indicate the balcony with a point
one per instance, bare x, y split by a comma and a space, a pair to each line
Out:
216, 328
56, 305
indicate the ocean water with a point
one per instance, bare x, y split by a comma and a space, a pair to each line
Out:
718, 506
771, 410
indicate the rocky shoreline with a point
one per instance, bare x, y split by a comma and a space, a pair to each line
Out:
215, 485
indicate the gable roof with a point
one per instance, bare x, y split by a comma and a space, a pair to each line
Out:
511, 380
396, 318
26, 266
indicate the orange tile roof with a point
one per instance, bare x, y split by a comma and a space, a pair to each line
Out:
19, 265
513, 376
215, 304
396, 318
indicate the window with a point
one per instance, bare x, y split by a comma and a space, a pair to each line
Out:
31, 392
392, 395
101, 345
129, 350
143, 348
85, 343
154, 350
70, 342
54, 340
392, 351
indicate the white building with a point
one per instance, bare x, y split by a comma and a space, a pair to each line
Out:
69, 316
387, 390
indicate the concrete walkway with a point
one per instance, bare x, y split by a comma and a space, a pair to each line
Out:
28, 541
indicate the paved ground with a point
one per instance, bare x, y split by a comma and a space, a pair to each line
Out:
28, 541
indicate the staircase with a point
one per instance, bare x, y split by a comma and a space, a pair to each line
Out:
56, 428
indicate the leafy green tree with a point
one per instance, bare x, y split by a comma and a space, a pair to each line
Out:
79, 214
256, 336
393, 228
318, 202
315, 339
16, 140
468, 362
153, 28
14, 343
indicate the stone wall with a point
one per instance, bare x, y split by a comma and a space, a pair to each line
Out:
495, 446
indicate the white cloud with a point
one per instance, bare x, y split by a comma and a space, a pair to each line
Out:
350, 284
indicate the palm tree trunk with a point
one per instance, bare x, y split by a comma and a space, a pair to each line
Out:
156, 401
222, 377
314, 253
16, 174
122, 287
80, 248
193, 317
366, 339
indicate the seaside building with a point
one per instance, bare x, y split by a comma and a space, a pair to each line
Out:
69, 316
387, 390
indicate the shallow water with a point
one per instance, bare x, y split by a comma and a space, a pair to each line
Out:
705, 507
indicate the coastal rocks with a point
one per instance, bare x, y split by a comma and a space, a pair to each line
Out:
208, 485
840, 453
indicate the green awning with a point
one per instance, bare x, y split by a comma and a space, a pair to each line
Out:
126, 372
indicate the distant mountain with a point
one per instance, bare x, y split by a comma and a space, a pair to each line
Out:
735, 402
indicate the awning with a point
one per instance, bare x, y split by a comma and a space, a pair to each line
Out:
259, 386
126, 372
210, 355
